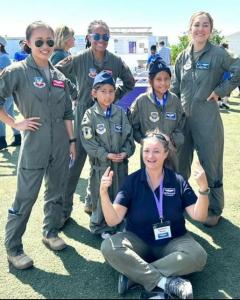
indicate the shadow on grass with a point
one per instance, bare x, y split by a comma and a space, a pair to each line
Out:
81, 189
80, 234
220, 278
85, 279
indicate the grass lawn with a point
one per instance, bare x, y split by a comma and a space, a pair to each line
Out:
80, 271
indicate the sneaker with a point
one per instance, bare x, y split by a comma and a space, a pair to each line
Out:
54, 243
178, 287
225, 105
3, 143
17, 141
88, 210
125, 284
20, 262
106, 235
153, 295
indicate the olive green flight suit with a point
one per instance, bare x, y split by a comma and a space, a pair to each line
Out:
102, 135
146, 115
44, 153
194, 81
83, 68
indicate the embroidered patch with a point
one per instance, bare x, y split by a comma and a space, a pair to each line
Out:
92, 72
170, 192
87, 132
58, 83
118, 128
170, 116
101, 129
39, 83
154, 117
202, 66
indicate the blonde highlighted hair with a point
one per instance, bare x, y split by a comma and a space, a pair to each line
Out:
62, 34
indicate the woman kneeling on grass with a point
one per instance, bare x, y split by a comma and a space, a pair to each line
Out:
155, 248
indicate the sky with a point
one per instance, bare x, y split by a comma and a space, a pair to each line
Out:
168, 17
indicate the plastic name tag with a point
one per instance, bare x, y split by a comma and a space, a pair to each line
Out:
162, 230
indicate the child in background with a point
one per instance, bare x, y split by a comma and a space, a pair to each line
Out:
108, 140
153, 56
159, 109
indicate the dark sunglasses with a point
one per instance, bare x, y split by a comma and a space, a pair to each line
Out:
97, 37
40, 43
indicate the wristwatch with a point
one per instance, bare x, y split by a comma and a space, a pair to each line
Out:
205, 192
72, 140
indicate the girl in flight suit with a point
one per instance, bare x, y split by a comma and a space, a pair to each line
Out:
41, 94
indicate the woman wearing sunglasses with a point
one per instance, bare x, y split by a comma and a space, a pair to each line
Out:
84, 67
41, 94
156, 248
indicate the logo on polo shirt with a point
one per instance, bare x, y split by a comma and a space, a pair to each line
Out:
169, 192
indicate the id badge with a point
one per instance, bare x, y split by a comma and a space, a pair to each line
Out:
162, 231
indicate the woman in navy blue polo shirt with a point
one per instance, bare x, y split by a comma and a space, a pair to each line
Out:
155, 249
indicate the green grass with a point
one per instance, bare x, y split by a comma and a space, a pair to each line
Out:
80, 270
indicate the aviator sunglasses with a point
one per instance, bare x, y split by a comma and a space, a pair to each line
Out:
40, 43
97, 37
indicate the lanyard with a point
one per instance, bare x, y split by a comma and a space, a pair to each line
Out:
158, 201
108, 112
165, 96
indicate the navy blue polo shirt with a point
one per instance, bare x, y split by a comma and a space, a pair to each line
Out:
137, 197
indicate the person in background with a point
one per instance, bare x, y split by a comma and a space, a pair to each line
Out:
165, 53
155, 249
64, 41
87, 42
42, 96
8, 104
159, 109
23, 53
153, 55
107, 137
198, 83
83, 68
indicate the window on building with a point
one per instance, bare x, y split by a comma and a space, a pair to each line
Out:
132, 46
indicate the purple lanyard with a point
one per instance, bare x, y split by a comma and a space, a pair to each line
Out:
159, 201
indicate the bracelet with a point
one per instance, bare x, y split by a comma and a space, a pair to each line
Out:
205, 193
72, 140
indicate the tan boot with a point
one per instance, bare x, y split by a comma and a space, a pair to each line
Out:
212, 221
20, 262
54, 243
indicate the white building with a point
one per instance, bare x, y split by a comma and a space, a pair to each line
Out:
133, 44
234, 42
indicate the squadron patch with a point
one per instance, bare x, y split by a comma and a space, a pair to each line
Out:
154, 117
100, 129
39, 83
92, 72
118, 128
87, 132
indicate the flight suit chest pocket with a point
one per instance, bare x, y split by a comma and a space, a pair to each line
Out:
58, 96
